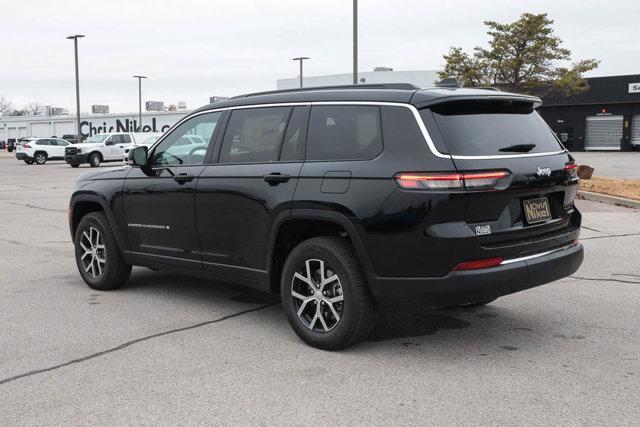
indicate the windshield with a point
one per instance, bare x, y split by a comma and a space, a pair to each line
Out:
97, 139
480, 128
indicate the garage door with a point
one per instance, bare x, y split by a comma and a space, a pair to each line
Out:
2, 135
40, 130
13, 133
603, 133
22, 132
635, 129
64, 128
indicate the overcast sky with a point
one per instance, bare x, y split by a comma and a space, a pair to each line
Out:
193, 49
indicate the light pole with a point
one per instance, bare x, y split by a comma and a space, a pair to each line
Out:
355, 42
300, 59
140, 101
75, 38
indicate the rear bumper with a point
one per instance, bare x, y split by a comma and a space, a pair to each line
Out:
75, 159
23, 156
463, 287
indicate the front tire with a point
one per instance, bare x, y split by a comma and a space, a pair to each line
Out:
29, 162
94, 160
40, 158
74, 165
98, 256
325, 295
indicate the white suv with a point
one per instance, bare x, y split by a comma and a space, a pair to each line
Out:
39, 150
103, 147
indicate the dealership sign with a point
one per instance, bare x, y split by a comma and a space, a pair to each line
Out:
160, 123
634, 87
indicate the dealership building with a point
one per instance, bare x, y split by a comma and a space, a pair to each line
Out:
606, 117
48, 126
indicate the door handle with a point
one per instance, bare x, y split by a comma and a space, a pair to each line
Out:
182, 178
276, 178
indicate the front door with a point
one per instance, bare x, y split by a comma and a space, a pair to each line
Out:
260, 158
159, 201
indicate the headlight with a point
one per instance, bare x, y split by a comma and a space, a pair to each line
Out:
79, 150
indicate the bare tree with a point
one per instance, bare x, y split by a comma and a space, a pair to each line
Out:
33, 109
5, 107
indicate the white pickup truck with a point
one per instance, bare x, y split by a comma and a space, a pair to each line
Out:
103, 147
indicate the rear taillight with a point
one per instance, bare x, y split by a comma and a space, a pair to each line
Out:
26, 146
572, 170
450, 181
478, 264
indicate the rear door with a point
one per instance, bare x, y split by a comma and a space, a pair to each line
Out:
260, 156
57, 148
536, 192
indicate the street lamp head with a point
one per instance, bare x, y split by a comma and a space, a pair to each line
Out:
140, 77
75, 36
300, 58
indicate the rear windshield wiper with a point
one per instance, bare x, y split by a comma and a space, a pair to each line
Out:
519, 148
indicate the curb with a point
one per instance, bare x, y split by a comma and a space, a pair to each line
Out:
612, 200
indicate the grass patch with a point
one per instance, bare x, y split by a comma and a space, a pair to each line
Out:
628, 188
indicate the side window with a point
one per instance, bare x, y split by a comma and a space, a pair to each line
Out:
294, 139
187, 144
40, 142
254, 135
125, 139
344, 132
116, 139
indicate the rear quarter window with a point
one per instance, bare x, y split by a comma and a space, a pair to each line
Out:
481, 128
344, 132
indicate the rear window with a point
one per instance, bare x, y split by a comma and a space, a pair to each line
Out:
344, 132
481, 128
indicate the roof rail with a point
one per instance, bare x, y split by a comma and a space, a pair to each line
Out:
488, 88
396, 86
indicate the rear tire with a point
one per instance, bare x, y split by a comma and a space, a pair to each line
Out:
75, 165
29, 162
98, 256
94, 160
322, 278
40, 158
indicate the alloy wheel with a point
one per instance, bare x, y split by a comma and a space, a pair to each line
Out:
317, 296
94, 257
40, 158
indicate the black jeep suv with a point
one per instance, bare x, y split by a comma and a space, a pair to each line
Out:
341, 199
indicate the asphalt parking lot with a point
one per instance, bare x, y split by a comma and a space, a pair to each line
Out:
172, 350
614, 164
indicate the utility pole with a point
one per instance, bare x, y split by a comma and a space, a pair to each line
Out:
140, 101
300, 59
355, 42
75, 38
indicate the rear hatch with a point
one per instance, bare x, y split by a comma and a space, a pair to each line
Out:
528, 206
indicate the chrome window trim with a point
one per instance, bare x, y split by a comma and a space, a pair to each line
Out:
530, 257
412, 108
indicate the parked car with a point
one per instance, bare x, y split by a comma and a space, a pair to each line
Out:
342, 200
39, 150
72, 138
11, 144
102, 147
148, 142
3, 145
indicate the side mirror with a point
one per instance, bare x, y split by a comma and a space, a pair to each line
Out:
138, 156
108, 142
